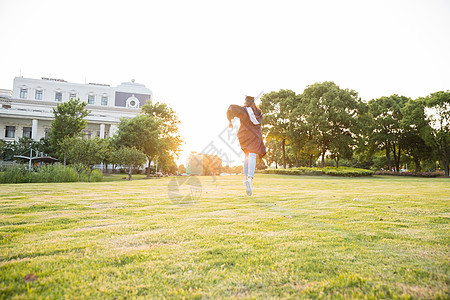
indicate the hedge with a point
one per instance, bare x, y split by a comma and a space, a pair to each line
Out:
331, 171
51, 173
418, 174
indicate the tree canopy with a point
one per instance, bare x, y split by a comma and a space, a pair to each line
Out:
83, 153
438, 115
330, 115
155, 132
130, 158
69, 121
276, 108
329, 122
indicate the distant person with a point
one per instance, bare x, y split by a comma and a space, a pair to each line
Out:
250, 137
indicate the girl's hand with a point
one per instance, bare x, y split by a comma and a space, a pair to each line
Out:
230, 125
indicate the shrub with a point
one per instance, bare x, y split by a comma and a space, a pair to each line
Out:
55, 173
96, 176
418, 174
49, 173
342, 171
16, 174
347, 172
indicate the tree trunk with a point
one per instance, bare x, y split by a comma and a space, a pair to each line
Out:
310, 160
323, 159
395, 158
148, 167
296, 160
337, 162
417, 163
129, 172
446, 167
445, 162
283, 144
445, 157
388, 156
79, 176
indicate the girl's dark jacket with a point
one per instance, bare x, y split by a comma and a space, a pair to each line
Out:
249, 134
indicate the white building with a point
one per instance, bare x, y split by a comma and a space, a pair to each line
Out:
27, 110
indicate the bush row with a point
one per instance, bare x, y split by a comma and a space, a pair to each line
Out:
50, 173
342, 171
418, 174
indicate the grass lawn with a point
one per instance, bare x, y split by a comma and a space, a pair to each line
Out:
297, 237
123, 177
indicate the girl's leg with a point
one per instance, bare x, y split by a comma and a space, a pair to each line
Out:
246, 166
251, 165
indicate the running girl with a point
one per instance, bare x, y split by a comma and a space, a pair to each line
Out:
250, 137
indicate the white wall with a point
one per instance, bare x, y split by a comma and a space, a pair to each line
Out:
82, 91
49, 88
18, 112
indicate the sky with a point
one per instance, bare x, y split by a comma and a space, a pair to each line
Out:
201, 56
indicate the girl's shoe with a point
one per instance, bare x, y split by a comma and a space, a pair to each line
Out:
248, 186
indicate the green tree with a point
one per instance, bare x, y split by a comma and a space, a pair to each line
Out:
274, 152
438, 135
24, 146
169, 138
96, 152
276, 108
83, 154
386, 130
69, 121
141, 132
332, 116
415, 128
302, 135
6, 152
342, 147
155, 132
130, 158
169, 166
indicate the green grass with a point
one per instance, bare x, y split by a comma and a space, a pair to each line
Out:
297, 237
124, 177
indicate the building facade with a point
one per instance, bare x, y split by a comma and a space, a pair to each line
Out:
27, 109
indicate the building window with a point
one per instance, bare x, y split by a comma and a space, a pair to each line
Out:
91, 99
47, 133
23, 93
27, 132
104, 100
73, 95
38, 95
10, 131
58, 96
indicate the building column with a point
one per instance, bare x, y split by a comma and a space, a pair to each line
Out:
102, 131
34, 129
112, 130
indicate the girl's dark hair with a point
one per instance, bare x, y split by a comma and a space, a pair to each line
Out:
250, 102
